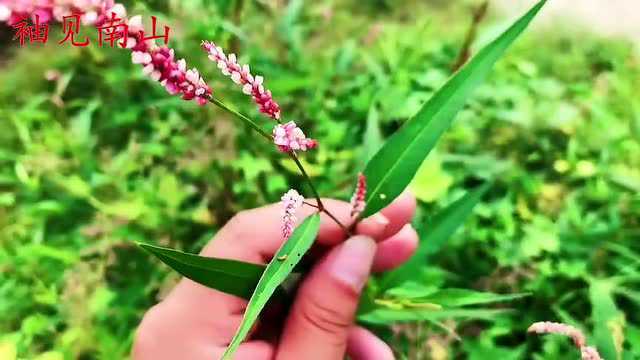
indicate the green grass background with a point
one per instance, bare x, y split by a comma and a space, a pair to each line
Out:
103, 157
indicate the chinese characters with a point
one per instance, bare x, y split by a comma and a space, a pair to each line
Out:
35, 32
113, 31
71, 28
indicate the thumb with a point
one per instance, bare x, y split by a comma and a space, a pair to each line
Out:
324, 310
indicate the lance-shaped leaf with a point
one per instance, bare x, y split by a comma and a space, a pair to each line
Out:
229, 276
393, 167
276, 272
450, 298
385, 316
437, 231
608, 320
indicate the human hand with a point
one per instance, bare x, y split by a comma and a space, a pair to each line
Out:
194, 322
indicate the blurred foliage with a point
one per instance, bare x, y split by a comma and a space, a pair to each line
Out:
101, 157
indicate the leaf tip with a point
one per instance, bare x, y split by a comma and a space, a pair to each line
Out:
143, 245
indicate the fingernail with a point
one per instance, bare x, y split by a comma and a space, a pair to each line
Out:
373, 226
352, 264
406, 228
380, 219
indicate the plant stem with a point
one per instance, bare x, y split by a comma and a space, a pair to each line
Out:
292, 154
321, 207
346, 230
242, 117
310, 204
295, 159
353, 225
479, 14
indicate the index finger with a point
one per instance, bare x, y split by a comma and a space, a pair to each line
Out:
255, 235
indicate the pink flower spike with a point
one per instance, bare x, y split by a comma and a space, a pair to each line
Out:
291, 201
548, 327
358, 199
241, 75
289, 137
171, 73
160, 64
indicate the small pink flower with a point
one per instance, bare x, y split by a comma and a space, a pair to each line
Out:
241, 75
590, 353
358, 199
5, 12
139, 57
90, 17
119, 11
135, 24
289, 137
291, 202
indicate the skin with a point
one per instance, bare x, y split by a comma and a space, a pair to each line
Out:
194, 322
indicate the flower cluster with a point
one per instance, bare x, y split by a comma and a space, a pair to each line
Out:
241, 75
358, 198
91, 12
548, 327
160, 64
291, 201
289, 137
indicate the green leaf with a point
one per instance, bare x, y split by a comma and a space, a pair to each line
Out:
229, 276
276, 272
540, 236
75, 185
431, 181
383, 316
608, 320
393, 167
129, 209
438, 231
464, 297
81, 123
372, 136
